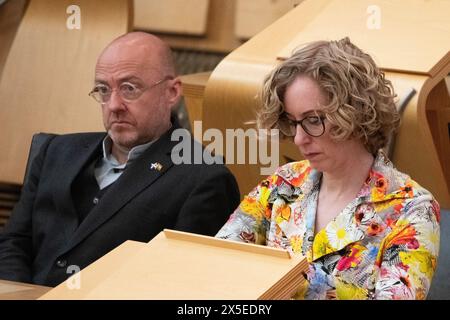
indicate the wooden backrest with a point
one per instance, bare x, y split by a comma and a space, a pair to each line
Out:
171, 16
218, 35
252, 16
49, 72
11, 13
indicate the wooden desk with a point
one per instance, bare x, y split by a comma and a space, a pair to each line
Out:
151, 271
10, 290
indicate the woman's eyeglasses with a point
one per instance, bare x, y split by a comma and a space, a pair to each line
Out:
313, 125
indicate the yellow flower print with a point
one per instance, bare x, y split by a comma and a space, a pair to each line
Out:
321, 245
348, 291
428, 237
282, 212
296, 243
273, 179
383, 205
300, 166
253, 208
402, 233
264, 194
300, 178
420, 259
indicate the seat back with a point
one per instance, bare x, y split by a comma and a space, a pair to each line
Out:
36, 143
49, 72
10, 193
440, 286
11, 13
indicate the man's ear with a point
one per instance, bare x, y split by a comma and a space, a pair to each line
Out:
174, 91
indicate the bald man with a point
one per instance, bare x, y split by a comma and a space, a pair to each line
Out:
89, 192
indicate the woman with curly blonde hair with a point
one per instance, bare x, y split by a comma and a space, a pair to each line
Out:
367, 230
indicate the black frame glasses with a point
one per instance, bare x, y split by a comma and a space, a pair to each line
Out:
313, 125
125, 91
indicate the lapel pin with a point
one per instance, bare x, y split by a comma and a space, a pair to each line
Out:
156, 166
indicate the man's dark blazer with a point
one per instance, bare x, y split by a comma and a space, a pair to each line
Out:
44, 237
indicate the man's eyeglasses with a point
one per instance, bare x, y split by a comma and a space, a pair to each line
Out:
128, 91
312, 125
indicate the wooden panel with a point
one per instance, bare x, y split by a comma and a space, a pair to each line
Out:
11, 13
447, 82
219, 36
252, 16
233, 245
10, 290
418, 31
171, 16
415, 153
48, 74
193, 92
438, 115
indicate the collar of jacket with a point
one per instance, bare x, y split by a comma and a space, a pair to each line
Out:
383, 183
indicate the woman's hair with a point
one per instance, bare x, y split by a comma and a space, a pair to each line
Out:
361, 101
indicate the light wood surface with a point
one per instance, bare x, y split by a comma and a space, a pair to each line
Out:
208, 25
252, 16
177, 265
96, 272
215, 242
48, 74
193, 91
231, 93
10, 290
219, 36
417, 152
171, 16
413, 36
11, 13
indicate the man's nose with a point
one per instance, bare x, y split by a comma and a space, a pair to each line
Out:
115, 102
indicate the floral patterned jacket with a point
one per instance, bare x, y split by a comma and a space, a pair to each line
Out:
383, 245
